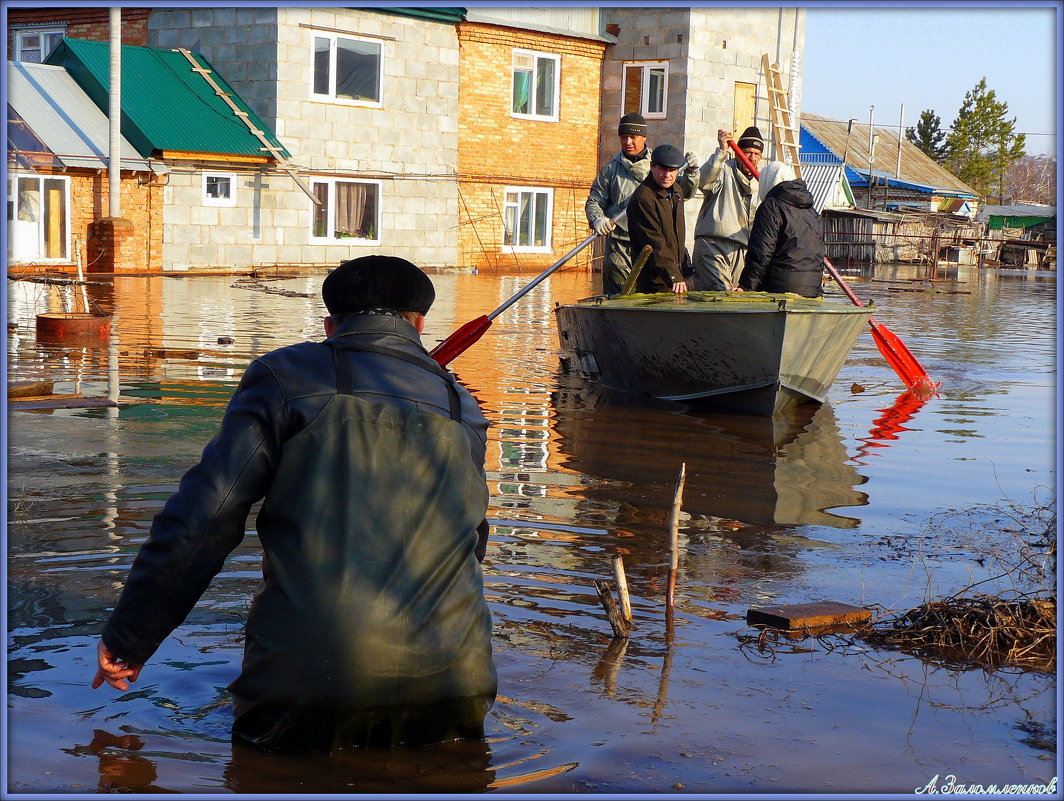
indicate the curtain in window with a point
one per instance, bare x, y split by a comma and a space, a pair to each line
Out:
55, 222
522, 87
351, 202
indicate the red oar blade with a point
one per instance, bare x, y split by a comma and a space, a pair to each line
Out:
900, 358
458, 342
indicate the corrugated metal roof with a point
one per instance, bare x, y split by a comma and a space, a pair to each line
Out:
824, 183
1018, 210
166, 106
916, 168
66, 121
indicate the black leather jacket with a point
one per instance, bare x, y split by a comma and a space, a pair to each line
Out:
371, 526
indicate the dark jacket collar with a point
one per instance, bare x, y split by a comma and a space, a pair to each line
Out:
379, 324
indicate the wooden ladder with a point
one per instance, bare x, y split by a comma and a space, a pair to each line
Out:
784, 131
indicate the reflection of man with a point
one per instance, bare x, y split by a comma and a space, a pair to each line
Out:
613, 186
655, 218
370, 627
728, 206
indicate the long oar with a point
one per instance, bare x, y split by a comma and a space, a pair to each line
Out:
462, 339
893, 349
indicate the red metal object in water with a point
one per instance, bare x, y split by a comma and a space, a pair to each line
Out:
909, 370
61, 327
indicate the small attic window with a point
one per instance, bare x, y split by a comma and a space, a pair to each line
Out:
219, 189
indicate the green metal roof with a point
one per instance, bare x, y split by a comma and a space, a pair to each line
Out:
450, 15
166, 105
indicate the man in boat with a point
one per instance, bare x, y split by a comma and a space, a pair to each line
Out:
729, 202
370, 626
610, 191
656, 218
786, 251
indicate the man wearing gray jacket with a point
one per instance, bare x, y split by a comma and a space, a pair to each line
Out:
722, 230
611, 190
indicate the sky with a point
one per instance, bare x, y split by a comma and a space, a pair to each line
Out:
929, 58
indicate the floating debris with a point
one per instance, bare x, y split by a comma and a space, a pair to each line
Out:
975, 631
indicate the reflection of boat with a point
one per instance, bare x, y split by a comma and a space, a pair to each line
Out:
784, 470
756, 352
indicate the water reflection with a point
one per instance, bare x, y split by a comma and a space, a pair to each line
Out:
773, 511
786, 470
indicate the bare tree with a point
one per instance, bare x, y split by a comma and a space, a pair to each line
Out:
1032, 179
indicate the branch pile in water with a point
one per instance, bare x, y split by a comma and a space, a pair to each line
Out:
976, 631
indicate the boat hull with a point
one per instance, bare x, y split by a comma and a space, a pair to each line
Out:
755, 352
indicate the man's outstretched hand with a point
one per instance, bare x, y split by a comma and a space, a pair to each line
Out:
113, 670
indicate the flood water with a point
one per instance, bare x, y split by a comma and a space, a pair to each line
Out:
862, 500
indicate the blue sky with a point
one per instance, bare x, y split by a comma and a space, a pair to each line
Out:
928, 58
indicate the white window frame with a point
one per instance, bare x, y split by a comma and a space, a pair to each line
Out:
511, 208
230, 201
522, 55
330, 95
646, 67
12, 211
330, 233
43, 31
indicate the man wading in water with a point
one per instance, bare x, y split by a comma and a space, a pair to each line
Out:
370, 626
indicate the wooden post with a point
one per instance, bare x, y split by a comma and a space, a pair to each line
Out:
622, 588
674, 535
621, 627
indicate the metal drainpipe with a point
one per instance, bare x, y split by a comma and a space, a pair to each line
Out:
114, 140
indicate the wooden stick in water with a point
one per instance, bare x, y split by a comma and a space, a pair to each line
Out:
674, 536
621, 627
622, 588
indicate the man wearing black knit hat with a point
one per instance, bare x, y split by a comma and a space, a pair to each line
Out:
729, 203
613, 186
370, 626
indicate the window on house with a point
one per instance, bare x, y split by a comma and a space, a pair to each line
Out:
38, 218
219, 189
35, 45
527, 219
348, 210
646, 87
535, 85
347, 69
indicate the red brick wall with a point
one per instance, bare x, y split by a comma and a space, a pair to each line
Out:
82, 23
496, 149
89, 202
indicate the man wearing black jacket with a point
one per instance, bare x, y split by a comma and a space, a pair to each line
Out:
370, 626
786, 250
655, 218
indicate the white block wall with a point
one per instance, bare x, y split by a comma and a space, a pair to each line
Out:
410, 144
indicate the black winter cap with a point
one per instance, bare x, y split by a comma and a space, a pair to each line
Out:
632, 125
752, 138
377, 282
668, 156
